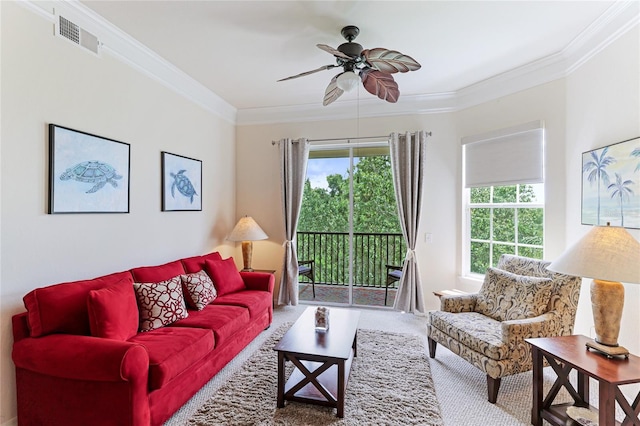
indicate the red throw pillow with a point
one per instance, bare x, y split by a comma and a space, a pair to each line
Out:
113, 311
199, 290
196, 263
62, 308
160, 303
225, 276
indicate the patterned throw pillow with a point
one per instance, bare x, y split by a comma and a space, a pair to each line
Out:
160, 303
505, 296
198, 289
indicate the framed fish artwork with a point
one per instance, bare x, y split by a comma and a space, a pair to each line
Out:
87, 173
181, 183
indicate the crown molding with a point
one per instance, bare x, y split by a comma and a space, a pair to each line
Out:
125, 48
618, 19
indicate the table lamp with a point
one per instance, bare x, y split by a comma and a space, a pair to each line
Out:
247, 231
608, 255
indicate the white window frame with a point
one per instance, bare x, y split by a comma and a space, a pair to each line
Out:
491, 205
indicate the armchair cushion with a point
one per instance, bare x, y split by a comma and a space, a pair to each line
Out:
506, 296
473, 330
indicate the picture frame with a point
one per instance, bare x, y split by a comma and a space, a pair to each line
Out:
181, 183
611, 185
87, 173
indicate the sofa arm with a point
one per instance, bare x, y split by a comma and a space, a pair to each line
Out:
458, 303
261, 281
82, 358
541, 326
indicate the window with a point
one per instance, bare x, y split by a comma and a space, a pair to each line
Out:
504, 220
504, 199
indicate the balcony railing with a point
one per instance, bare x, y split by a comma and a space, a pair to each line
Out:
371, 253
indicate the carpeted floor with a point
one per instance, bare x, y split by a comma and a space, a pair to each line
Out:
460, 387
383, 358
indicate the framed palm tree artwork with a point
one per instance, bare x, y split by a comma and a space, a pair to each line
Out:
611, 185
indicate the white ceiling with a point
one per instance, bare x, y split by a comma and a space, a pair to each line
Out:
238, 49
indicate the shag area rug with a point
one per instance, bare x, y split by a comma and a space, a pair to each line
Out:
390, 384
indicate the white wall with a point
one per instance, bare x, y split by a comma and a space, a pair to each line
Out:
603, 107
49, 80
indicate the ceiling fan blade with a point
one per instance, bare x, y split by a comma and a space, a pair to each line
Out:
389, 61
334, 52
322, 68
332, 92
380, 84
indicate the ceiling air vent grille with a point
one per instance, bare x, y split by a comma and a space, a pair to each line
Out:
77, 35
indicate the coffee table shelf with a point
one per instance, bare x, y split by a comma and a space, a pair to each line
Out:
322, 360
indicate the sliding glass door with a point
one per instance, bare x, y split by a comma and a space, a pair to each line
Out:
348, 231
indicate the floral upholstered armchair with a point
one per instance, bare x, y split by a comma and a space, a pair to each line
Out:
519, 299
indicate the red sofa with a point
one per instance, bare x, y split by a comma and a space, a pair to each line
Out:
65, 375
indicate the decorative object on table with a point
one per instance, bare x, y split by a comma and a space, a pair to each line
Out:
322, 318
181, 183
373, 66
247, 230
582, 415
608, 255
87, 173
611, 185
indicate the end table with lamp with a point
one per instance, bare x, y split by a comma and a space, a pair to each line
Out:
608, 255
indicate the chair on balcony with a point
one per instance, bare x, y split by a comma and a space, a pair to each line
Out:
394, 273
306, 269
519, 299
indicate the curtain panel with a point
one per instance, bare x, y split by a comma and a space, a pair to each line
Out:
407, 153
293, 169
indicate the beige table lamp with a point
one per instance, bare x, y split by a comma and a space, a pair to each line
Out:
608, 255
247, 231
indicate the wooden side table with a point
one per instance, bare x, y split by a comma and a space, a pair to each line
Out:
453, 292
568, 353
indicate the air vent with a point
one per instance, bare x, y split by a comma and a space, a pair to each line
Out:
77, 35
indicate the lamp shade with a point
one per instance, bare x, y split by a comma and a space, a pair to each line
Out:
347, 81
247, 230
604, 253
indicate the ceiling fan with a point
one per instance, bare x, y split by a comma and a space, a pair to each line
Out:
374, 66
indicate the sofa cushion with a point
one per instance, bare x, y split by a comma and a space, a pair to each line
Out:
478, 332
172, 350
199, 290
113, 311
196, 263
225, 275
505, 296
62, 308
154, 274
160, 303
257, 302
225, 321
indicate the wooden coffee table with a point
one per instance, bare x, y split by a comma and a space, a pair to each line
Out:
322, 360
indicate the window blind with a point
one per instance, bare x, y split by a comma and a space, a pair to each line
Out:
505, 157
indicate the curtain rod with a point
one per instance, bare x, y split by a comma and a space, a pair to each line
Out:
347, 139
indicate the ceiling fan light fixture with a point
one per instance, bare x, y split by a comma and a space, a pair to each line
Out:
347, 81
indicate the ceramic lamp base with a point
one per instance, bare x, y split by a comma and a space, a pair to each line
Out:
247, 254
608, 351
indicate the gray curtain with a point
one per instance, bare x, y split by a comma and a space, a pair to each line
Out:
407, 165
293, 169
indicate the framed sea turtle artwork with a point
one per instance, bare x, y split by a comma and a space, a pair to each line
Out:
181, 183
611, 185
87, 173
